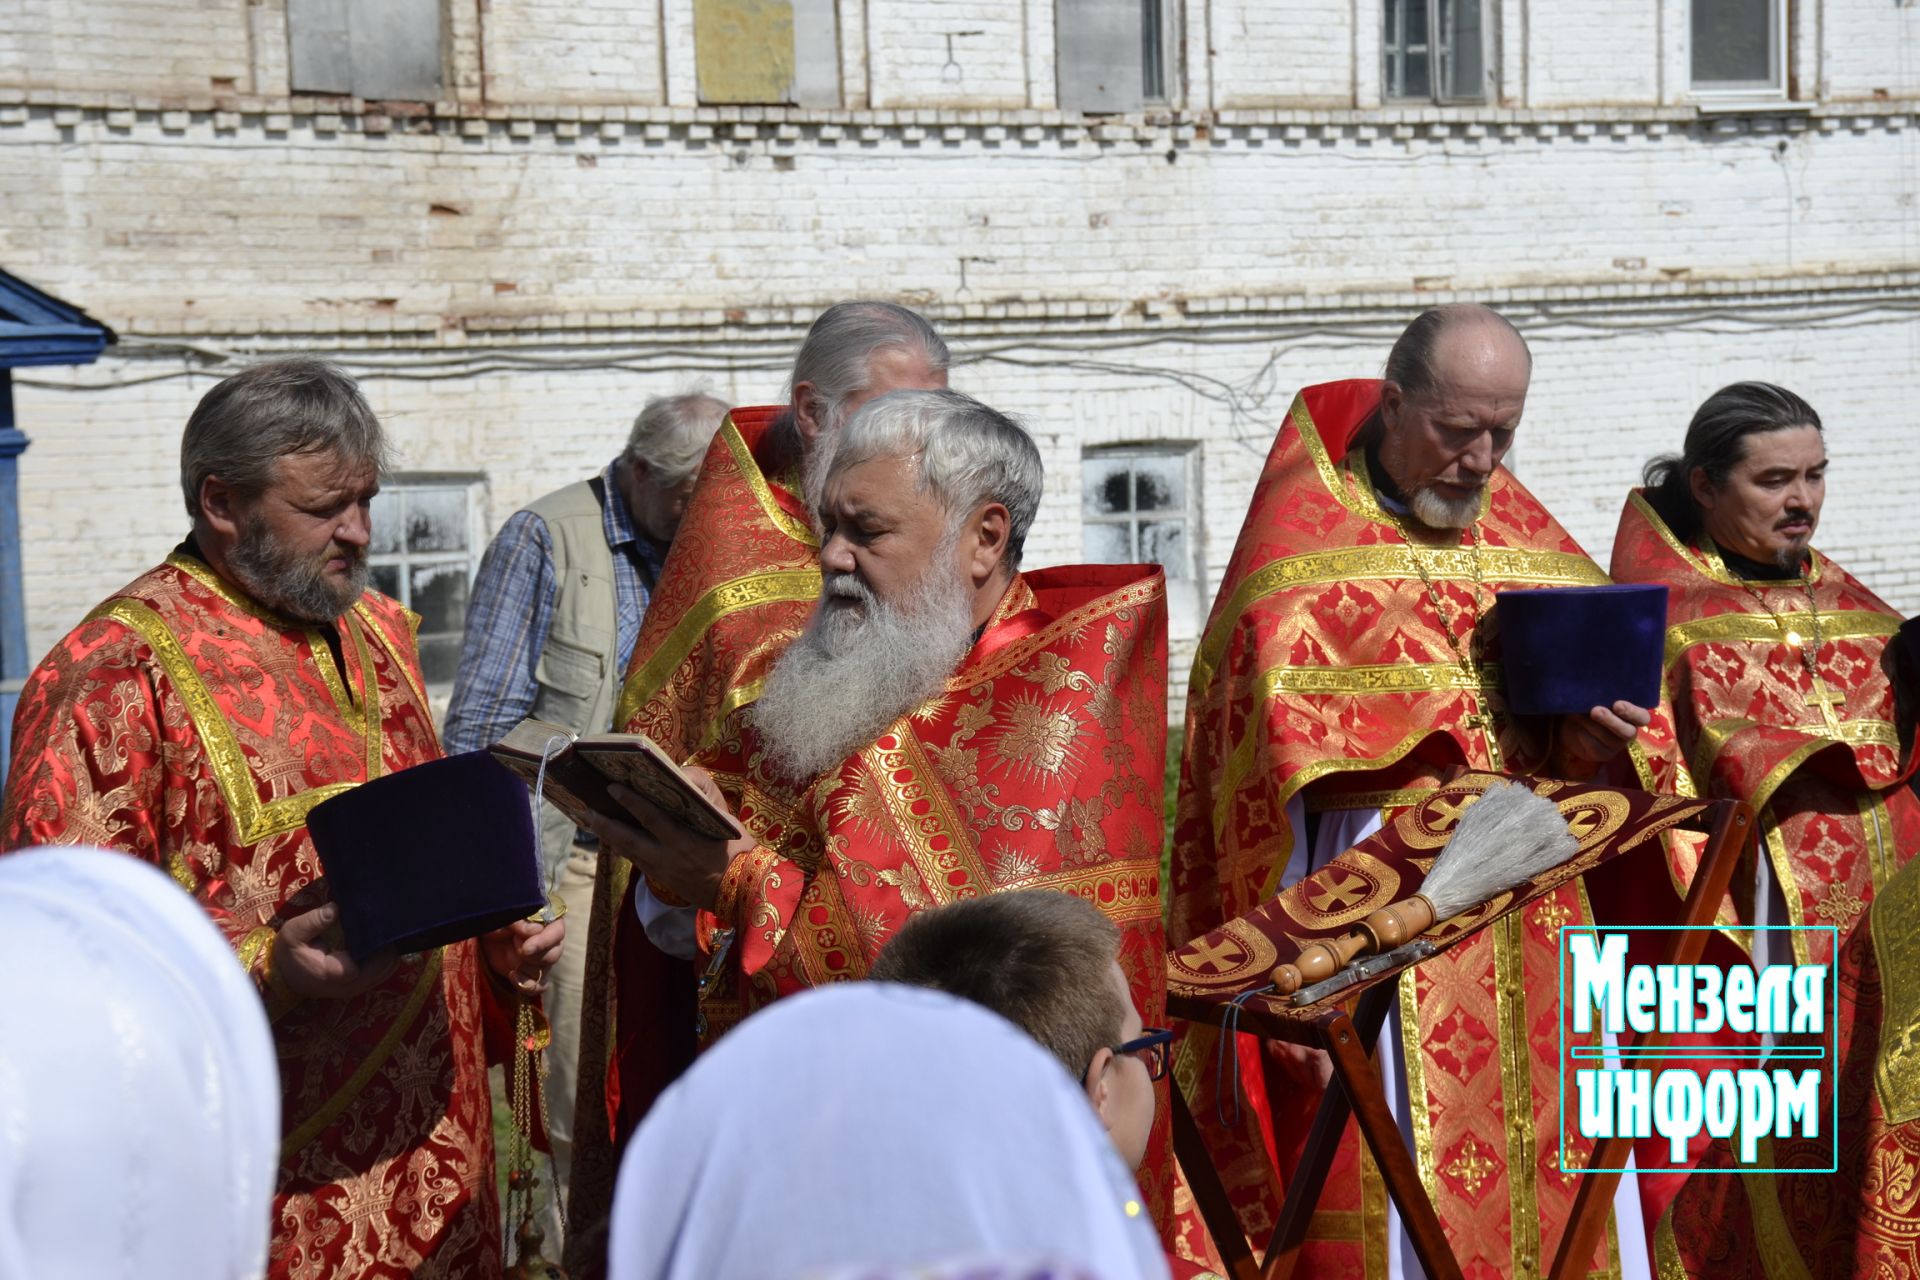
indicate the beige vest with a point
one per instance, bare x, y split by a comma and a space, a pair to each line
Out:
576, 676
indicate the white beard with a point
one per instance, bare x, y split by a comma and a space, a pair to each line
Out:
1436, 512
858, 668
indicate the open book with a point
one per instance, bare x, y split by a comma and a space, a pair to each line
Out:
578, 775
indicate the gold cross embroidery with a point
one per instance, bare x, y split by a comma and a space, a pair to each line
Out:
1348, 890
1450, 813
1216, 956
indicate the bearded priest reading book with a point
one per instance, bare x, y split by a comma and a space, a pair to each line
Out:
945, 726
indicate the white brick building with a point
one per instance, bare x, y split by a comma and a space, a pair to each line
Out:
536, 214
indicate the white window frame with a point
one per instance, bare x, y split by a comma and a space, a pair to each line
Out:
1436, 52
1186, 609
1746, 90
472, 490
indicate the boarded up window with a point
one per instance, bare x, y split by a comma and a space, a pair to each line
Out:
365, 48
1113, 53
767, 52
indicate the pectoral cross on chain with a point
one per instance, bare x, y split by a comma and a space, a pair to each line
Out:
1488, 725
1827, 699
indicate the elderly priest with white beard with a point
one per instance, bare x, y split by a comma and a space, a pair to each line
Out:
946, 726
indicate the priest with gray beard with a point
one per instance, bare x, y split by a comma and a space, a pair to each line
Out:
946, 726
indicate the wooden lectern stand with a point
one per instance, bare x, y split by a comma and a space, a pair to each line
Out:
1348, 1040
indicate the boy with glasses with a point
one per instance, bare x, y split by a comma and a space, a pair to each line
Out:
1047, 962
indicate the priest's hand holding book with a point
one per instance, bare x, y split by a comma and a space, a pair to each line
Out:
1584, 743
672, 855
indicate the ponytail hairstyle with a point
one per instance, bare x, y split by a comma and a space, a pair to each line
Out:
1716, 442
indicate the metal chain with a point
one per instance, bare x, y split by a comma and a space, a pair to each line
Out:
1482, 718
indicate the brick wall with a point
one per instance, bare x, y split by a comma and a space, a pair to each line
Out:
572, 51
514, 269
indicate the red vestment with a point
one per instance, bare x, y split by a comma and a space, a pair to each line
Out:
1036, 768
1822, 761
1813, 1215
1326, 671
187, 725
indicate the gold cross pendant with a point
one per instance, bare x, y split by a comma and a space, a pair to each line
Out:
1485, 724
1828, 700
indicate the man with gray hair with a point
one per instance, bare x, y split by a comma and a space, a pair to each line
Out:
742, 577
945, 726
192, 721
554, 613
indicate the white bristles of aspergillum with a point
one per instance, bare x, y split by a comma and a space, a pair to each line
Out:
1507, 836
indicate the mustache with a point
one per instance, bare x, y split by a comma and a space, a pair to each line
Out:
1794, 515
845, 586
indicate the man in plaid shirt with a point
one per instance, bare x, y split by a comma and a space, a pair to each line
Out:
551, 624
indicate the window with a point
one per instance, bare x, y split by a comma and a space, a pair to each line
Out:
1114, 55
1138, 507
1737, 46
767, 52
423, 555
379, 49
1436, 51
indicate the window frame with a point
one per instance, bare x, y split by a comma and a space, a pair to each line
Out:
1778, 19
1184, 619
1160, 34
1489, 57
472, 490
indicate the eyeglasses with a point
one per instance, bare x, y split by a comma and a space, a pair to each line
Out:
1151, 1047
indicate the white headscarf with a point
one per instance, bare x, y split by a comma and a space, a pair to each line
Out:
139, 1097
874, 1125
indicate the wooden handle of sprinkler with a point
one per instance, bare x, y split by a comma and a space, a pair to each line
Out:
1385, 929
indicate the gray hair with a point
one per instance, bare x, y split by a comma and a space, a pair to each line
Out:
969, 454
1410, 363
242, 428
837, 357
671, 436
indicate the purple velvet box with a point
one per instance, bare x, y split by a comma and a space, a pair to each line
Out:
431, 855
1566, 650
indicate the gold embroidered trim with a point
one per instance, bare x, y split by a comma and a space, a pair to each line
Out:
1373, 1215
1500, 566
756, 480
1387, 677
252, 945
1772, 1237
1135, 595
782, 586
1841, 624
1853, 733
400, 661
1325, 801
329, 1111
1666, 1250
1895, 921
1781, 860
350, 711
1434, 677
1516, 1092
1419, 1103
252, 821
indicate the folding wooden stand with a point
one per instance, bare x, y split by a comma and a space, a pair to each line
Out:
1348, 1040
